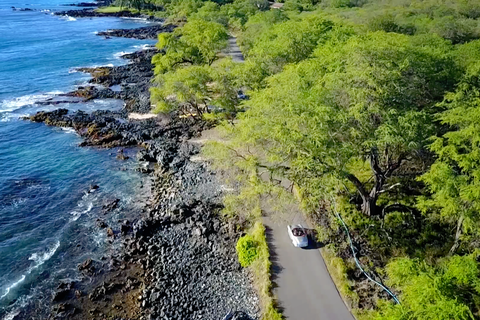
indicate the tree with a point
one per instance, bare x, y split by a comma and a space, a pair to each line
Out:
286, 42
454, 179
210, 11
239, 11
269, 51
445, 292
197, 42
197, 89
184, 89
366, 98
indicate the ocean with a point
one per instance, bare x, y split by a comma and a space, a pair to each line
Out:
47, 217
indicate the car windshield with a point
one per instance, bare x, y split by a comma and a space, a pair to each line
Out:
297, 232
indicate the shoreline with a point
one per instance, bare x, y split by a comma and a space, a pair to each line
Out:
131, 283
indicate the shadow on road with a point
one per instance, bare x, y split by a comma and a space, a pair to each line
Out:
312, 240
276, 268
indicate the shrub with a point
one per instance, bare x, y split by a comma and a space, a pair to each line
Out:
247, 250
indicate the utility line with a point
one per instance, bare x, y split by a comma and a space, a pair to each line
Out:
355, 255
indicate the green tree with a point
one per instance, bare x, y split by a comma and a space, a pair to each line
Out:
210, 11
185, 89
454, 178
239, 11
445, 292
197, 90
369, 97
286, 42
197, 42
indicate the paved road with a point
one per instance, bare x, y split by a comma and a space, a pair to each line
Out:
233, 50
304, 288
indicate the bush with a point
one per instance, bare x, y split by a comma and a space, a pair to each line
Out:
247, 250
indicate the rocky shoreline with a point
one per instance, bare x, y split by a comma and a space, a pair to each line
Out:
177, 260
149, 32
92, 12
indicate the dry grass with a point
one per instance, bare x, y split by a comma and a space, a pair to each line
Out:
338, 271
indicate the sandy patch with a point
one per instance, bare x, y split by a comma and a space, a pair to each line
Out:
141, 116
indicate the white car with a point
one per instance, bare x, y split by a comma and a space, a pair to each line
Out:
298, 235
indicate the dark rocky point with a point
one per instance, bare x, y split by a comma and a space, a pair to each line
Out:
149, 32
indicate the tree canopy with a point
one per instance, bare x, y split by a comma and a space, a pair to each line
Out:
197, 42
368, 97
371, 105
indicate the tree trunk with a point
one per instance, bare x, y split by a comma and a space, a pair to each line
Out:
369, 198
458, 234
369, 206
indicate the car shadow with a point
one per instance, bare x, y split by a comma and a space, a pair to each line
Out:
312, 240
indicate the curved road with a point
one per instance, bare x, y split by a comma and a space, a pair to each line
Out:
304, 289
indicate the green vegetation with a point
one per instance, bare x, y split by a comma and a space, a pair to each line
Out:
261, 268
113, 9
374, 104
338, 271
447, 291
246, 250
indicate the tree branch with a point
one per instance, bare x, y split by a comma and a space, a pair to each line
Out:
392, 167
389, 188
360, 187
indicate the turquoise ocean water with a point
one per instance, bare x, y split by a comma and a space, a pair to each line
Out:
47, 220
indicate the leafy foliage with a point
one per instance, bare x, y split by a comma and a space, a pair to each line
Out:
197, 89
373, 103
247, 250
453, 179
446, 292
372, 92
197, 42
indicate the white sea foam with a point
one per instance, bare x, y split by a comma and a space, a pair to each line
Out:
119, 55
16, 283
143, 46
68, 18
68, 130
16, 103
11, 315
39, 259
77, 214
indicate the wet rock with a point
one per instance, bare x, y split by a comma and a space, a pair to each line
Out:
42, 116
121, 155
125, 228
78, 294
149, 32
85, 265
92, 188
60, 295
22, 9
89, 13
110, 205
101, 224
83, 4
